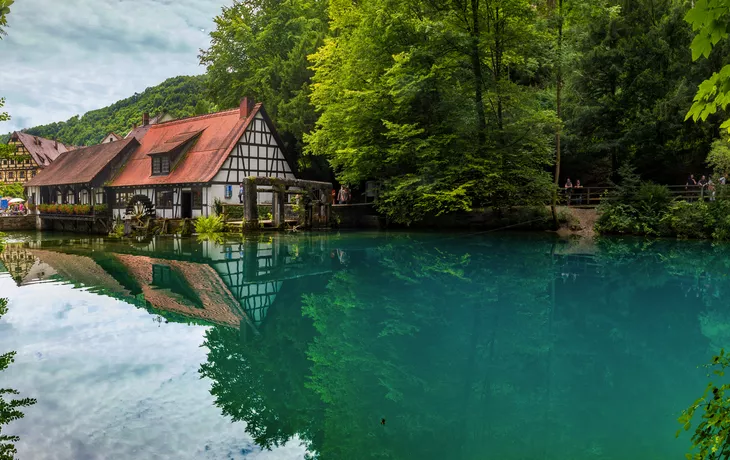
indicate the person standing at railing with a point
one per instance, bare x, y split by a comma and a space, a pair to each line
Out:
689, 186
579, 192
711, 189
702, 183
568, 190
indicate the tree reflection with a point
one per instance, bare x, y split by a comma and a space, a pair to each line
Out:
261, 379
407, 334
10, 408
507, 348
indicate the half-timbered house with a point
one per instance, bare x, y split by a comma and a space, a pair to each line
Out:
79, 176
182, 166
31, 155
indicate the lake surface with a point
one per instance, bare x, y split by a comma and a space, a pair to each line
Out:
359, 346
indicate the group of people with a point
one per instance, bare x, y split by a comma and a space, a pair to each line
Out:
15, 210
343, 196
705, 183
569, 187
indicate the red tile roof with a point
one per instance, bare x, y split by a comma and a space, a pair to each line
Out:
138, 132
173, 143
220, 132
44, 151
81, 166
79, 269
220, 306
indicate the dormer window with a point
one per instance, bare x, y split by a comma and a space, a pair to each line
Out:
167, 152
160, 165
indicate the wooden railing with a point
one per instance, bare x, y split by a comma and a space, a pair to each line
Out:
592, 196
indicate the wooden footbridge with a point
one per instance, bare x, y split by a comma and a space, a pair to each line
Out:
590, 197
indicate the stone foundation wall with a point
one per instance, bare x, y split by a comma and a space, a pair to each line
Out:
10, 223
356, 216
68, 225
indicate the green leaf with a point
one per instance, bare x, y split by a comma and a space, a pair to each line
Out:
701, 46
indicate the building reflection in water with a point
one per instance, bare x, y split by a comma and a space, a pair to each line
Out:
183, 280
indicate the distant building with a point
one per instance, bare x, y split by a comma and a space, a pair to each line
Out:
111, 137
32, 154
139, 131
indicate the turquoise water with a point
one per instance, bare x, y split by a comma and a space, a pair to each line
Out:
359, 346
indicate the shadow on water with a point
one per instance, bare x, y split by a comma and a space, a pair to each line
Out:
415, 346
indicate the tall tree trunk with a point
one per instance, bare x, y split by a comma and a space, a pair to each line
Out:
558, 96
478, 81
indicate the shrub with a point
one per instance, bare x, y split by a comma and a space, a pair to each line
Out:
264, 212
689, 220
234, 212
117, 230
637, 210
210, 224
653, 198
218, 207
617, 218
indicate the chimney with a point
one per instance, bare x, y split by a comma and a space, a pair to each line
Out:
55, 144
246, 106
145, 119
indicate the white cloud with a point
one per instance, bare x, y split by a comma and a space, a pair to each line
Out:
112, 383
63, 58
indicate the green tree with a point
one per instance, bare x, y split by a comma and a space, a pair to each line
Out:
4, 11
4, 116
259, 49
719, 157
628, 94
711, 437
710, 19
436, 99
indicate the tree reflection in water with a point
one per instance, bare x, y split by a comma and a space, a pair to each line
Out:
496, 348
10, 408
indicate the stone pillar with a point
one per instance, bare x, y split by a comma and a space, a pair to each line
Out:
250, 205
277, 207
327, 212
317, 214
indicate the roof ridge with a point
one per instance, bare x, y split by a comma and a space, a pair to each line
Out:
194, 117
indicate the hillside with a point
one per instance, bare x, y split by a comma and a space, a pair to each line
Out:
177, 96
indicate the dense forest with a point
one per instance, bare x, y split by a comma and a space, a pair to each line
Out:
469, 103
178, 96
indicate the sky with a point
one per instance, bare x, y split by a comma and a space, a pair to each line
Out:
112, 383
66, 57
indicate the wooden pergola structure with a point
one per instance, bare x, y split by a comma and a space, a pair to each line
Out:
315, 199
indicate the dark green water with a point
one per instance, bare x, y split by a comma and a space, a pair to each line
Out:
483, 347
